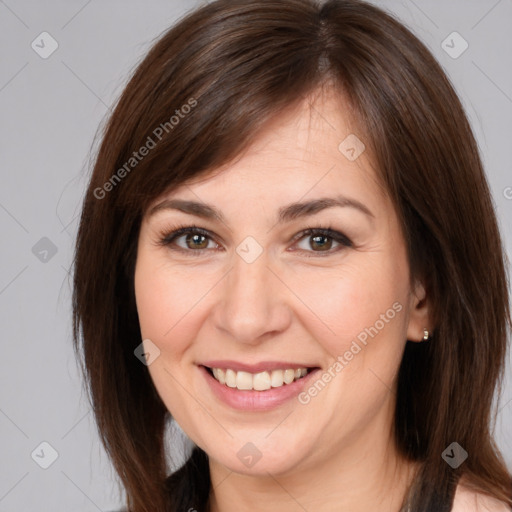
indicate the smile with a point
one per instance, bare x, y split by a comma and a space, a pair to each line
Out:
259, 389
260, 381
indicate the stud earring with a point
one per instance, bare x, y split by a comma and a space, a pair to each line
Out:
426, 335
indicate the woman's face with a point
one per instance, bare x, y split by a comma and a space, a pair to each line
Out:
255, 298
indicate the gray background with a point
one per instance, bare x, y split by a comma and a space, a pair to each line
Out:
50, 110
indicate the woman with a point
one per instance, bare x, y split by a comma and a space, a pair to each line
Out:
288, 223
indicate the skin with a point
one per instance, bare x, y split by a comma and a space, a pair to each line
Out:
294, 305
466, 499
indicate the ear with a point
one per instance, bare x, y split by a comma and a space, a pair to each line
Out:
419, 314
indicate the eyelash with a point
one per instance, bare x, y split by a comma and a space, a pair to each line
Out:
166, 238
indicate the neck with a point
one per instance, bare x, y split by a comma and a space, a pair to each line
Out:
366, 473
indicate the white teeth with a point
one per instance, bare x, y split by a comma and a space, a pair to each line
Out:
259, 381
220, 376
243, 380
276, 379
289, 376
231, 378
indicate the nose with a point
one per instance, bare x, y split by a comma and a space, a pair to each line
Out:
252, 305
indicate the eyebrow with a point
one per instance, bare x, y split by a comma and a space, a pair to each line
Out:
287, 213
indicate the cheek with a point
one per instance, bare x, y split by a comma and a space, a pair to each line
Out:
360, 317
162, 299
165, 304
363, 300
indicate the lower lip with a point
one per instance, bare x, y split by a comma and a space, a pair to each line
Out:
250, 400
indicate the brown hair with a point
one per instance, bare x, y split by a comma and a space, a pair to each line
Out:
237, 64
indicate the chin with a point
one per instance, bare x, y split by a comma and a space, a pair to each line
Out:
261, 456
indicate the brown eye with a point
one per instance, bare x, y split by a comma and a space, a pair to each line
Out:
324, 243
192, 240
320, 240
196, 241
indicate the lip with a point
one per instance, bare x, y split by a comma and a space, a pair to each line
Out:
251, 400
257, 367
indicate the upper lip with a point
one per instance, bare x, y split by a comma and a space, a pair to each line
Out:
255, 367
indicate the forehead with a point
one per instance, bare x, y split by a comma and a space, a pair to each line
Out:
313, 149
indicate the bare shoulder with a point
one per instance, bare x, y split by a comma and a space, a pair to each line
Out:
468, 500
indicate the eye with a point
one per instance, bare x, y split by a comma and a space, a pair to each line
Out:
322, 239
194, 240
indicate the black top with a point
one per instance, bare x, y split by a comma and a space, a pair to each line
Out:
443, 502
